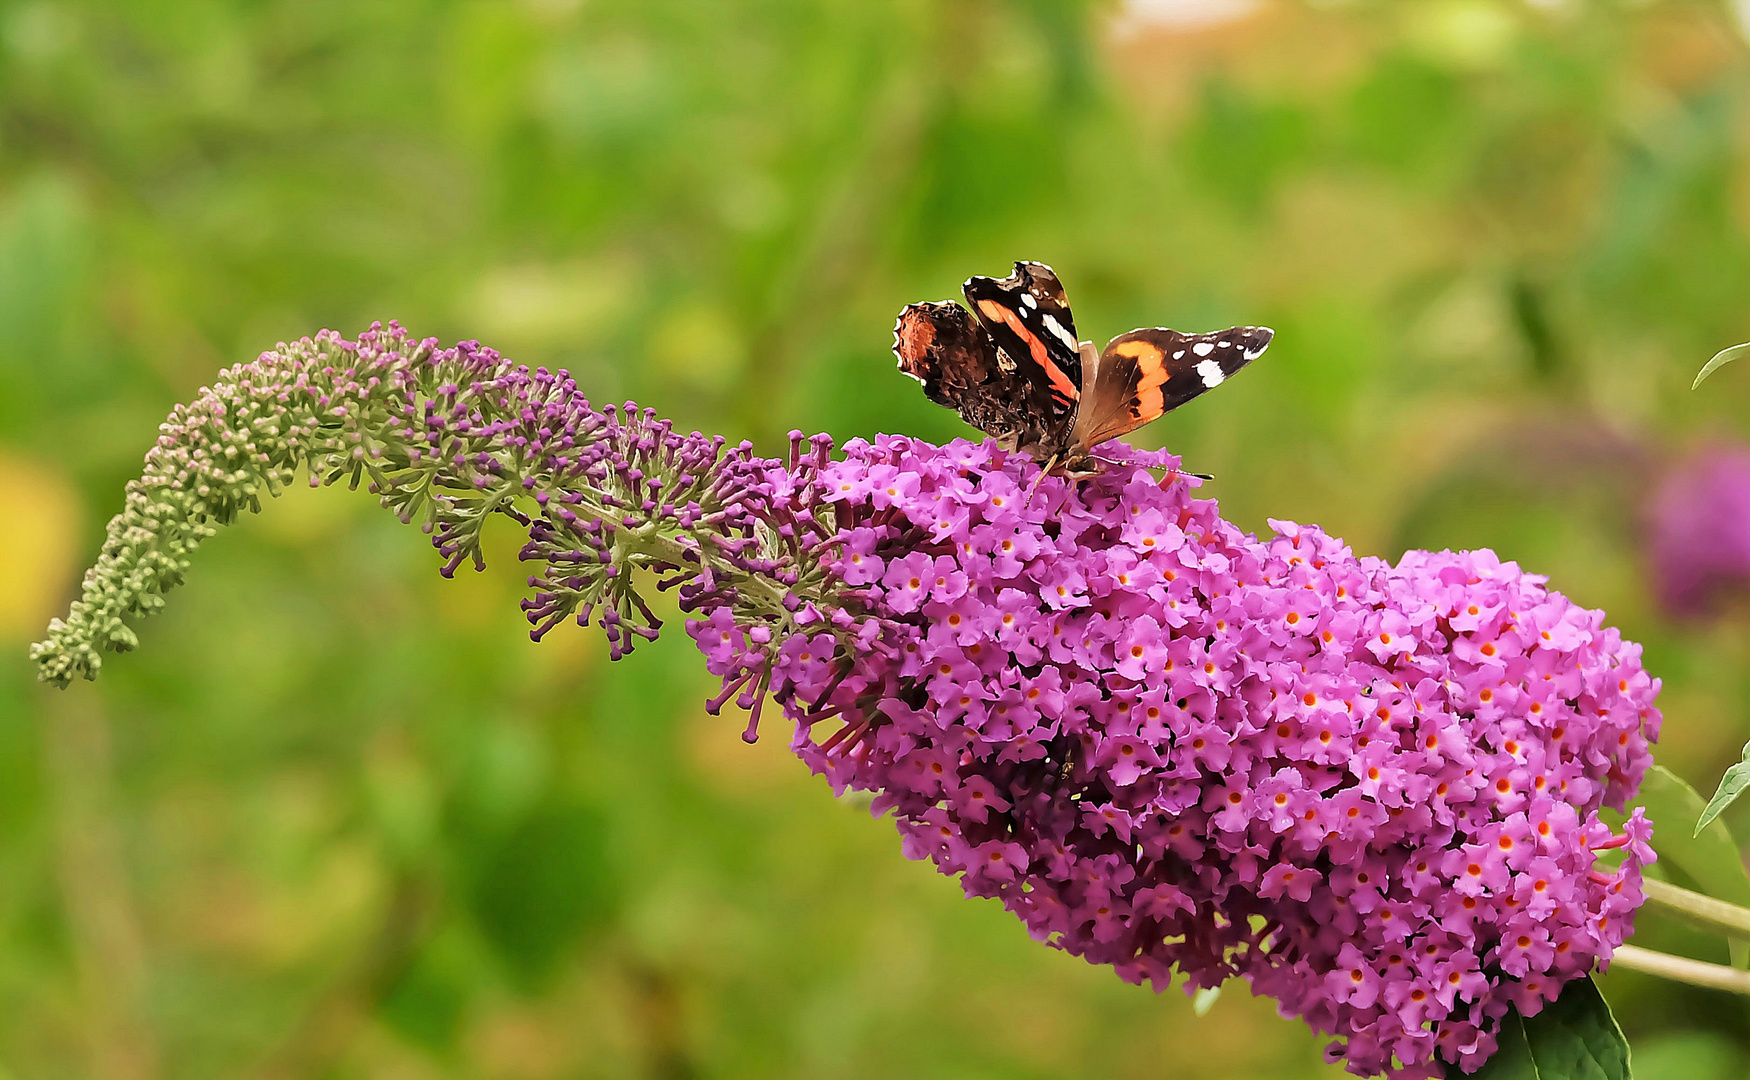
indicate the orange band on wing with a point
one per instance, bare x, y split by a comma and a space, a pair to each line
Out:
1151, 366
1060, 383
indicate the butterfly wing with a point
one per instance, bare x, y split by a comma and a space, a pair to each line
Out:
1028, 317
1145, 374
945, 350
940, 346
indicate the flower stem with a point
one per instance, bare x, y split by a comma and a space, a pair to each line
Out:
1682, 969
1698, 910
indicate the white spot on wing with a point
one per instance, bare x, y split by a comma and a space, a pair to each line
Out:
1224, 344
1179, 355
1253, 354
1202, 348
1058, 331
1211, 373
1027, 298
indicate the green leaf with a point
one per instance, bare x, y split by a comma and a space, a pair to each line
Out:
542, 888
1720, 359
1512, 1058
427, 999
1574, 1038
1708, 856
1732, 785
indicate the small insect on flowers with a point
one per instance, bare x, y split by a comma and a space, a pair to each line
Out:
1013, 367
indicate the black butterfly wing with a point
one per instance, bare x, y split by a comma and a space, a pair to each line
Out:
1028, 317
1145, 374
945, 350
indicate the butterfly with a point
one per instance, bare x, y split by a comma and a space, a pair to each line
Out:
1014, 368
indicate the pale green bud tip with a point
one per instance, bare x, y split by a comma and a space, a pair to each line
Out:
304, 404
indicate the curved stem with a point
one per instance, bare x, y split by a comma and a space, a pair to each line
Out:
1682, 969
1698, 910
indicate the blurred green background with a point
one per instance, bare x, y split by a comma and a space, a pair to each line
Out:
339, 818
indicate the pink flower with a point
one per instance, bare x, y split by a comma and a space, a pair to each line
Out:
909, 581
1140, 649
1294, 882
1126, 758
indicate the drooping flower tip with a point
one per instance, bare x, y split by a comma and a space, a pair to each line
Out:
447, 437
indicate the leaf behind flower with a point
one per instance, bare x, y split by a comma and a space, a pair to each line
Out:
1732, 785
1575, 1037
1512, 1059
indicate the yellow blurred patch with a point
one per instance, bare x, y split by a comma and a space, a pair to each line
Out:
303, 515
38, 546
1469, 35
481, 599
700, 346
575, 303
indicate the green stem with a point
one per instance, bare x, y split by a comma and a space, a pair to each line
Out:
648, 541
1698, 910
1682, 969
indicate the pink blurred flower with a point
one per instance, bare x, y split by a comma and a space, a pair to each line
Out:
1699, 531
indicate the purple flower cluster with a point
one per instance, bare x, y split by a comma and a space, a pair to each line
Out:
1699, 531
1372, 791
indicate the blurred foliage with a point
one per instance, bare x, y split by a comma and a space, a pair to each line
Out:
339, 818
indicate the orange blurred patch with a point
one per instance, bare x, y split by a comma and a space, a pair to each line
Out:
1161, 68
524, 1044
734, 768
1683, 49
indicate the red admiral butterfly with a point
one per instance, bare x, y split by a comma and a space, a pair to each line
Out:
1014, 368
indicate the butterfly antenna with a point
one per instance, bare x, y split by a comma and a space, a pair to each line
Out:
1203, 476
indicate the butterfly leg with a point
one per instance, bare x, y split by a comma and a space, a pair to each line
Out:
1040, 479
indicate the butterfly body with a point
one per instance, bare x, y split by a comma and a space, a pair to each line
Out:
1013, 367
